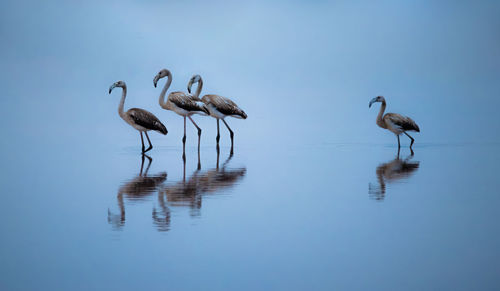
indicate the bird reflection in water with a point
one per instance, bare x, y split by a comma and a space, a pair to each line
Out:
390, 172
138, 189
190, 192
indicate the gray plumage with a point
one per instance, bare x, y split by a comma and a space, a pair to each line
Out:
147, 120
224, 105
181, 103
219, 107
187, 102
403, 122
394, 122
140, 119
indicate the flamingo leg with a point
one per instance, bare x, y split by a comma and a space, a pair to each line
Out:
227, 160
184, 137
218, 153
399, 144
150, 144
142, 165
199, 130
142, 141
199, 161
184, 142
412, 140
231, 134
184, 169
149, 164
217, 138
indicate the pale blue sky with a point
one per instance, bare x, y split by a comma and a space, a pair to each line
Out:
301, 70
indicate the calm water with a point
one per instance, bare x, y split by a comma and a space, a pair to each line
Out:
331, 216
315, 196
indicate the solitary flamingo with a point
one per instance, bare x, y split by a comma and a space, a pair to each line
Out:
394, 122
218, 106
181, 103
139, 119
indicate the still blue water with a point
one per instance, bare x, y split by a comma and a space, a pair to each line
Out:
315, 196
331, 216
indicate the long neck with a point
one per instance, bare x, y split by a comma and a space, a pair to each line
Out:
198, 90
122, 102
380, 122
161, 100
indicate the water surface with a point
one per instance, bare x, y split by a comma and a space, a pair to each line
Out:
298, 217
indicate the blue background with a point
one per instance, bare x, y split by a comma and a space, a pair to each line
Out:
301, 217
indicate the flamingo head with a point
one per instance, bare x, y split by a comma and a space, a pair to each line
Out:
162, 74
376, 99
194, 79
119, 84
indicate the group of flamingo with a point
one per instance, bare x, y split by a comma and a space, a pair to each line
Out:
184, 104
187, 104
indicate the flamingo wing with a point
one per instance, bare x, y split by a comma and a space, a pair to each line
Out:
401, 122
147, 120
224, 105
187, 102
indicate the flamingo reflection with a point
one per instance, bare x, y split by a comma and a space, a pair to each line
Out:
137, 189
190, 192
390, 172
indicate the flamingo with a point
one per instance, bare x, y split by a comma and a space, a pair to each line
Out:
394, 122
181, 103
218, 106
138, 118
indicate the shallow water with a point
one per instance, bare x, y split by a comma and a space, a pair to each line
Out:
315, 196
332, 216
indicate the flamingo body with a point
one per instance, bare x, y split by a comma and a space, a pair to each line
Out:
144, 121
140, 119
185, 104
221, 107
181, 103
396, 123
218, 107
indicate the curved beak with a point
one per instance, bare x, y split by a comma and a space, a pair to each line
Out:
155, 80
112, 87
372, 101
189, 86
